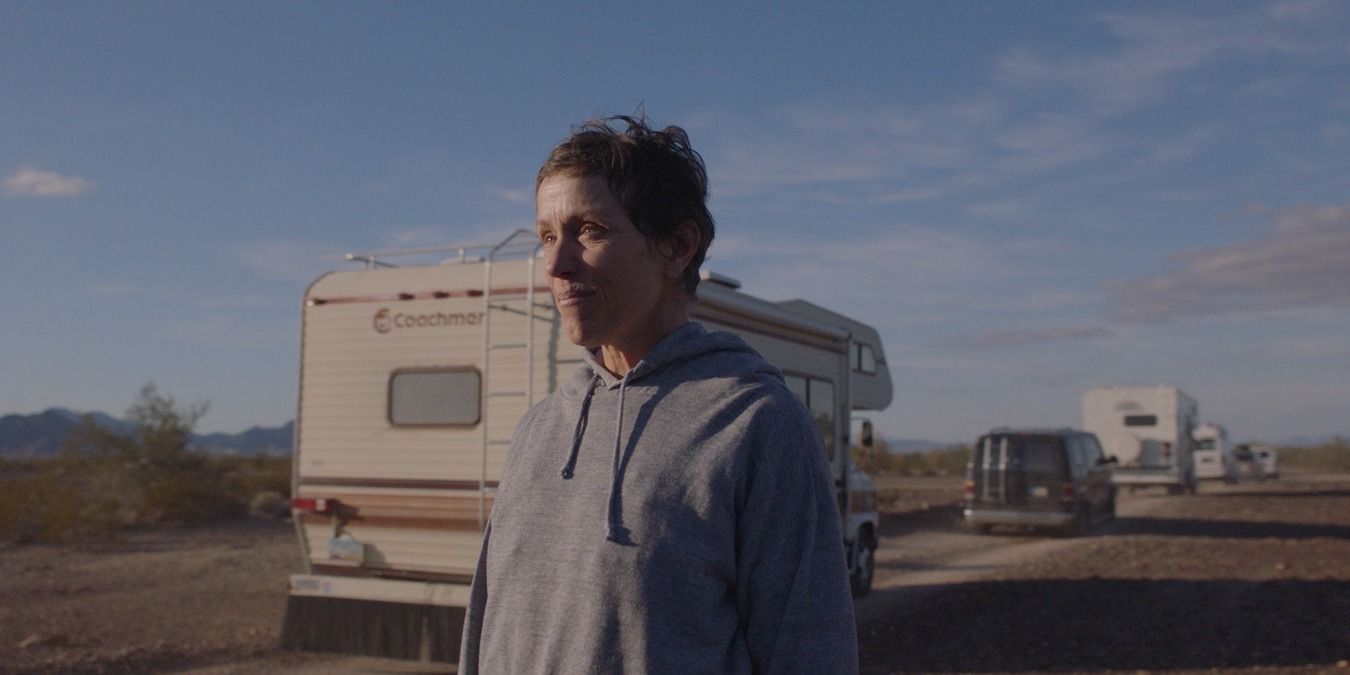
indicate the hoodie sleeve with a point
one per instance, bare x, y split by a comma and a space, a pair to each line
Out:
473, 614
792, 588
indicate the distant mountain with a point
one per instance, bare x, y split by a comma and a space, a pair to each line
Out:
253, 441
42, 435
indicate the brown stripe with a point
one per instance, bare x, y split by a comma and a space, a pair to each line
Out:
385, 573
415, 483
422, 295
447, 512
399, 522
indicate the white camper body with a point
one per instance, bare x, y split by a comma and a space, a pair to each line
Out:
412, 380
1148, 430
1256, 461
1214, 456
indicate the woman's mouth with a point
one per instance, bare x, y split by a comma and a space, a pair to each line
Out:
572, 296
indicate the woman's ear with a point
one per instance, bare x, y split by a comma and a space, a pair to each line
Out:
680, 248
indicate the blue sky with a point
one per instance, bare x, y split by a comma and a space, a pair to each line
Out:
1027, 199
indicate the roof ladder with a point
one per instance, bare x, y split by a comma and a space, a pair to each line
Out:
521, 244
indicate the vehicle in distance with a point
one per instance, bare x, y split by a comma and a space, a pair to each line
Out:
1039, 478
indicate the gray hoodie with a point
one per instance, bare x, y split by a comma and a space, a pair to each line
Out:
680, 519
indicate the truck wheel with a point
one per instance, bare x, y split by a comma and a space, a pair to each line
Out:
1082, 519
1110, 514
864, 568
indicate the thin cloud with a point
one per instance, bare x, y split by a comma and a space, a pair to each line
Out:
29, 182
1019, 337
289, 259
912, 273
1152, 49
1303, 263
236, 331
1300, 9
122, 289
512, 195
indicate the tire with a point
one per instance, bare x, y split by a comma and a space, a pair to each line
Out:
865, 567
1082, 520
1110, 513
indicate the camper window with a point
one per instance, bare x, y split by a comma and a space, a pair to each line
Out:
818, 395
1141, 420
434, 397
822, 408
864, 359
796, 384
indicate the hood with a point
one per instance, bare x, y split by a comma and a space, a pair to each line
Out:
713, 354
697, 353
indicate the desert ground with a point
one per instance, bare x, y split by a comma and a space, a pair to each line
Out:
1247, 578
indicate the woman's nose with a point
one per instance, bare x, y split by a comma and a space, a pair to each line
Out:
560, 259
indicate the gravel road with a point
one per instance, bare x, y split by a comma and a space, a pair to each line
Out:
1248, 578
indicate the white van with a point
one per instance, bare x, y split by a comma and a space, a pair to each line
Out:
412, 379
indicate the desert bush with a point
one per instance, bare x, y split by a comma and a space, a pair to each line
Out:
104, 481
1333, 457
260, 473
269, 504
877, 461
50, 503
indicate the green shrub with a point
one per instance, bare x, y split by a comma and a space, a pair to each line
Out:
935, 462
51, 504
104, 482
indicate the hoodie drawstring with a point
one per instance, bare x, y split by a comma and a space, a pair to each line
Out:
580, 430
614, 530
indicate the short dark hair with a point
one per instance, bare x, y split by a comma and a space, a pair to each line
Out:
658, 178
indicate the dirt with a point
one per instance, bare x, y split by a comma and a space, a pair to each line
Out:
1247, 578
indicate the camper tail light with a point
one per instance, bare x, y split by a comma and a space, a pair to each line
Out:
970, 489
1067, 492
324, 506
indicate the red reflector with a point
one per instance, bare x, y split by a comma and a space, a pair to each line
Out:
970, 488
1066, 491
312, 505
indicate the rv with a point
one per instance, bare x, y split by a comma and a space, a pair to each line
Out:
412, 379
1148, 430
1213, 455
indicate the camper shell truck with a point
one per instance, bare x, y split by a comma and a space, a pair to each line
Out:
1214, 454
412, 379
1148, 430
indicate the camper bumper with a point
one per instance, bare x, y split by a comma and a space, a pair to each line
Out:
977, 517
371, 617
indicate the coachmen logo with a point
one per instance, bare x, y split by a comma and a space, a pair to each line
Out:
385, 320
382, 323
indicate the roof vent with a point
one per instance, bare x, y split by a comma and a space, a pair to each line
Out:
716, 278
